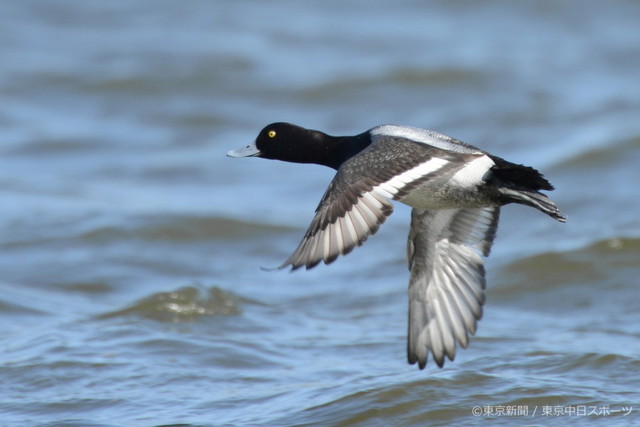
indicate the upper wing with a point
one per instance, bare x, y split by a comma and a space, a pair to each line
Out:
356, 202
339, 226
446, 290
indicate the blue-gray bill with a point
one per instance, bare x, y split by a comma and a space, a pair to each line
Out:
248, 151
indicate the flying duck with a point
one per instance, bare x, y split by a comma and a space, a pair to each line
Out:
456, 191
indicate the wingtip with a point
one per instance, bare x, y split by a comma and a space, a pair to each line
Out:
270, 269
414, 360
422, 363
288, 265
281, 267
417, 359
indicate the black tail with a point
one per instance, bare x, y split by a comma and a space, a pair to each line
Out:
519, 176
521, 184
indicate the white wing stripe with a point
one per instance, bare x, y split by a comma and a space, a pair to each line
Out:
399, 181
387, 188
383, 192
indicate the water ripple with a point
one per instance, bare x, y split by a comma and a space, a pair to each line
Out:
187, 304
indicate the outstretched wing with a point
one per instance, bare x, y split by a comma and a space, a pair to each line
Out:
446, 290
357, 200
339, 226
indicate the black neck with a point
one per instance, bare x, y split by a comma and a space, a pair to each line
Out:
342, 148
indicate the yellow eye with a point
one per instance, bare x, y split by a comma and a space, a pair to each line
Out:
271, 134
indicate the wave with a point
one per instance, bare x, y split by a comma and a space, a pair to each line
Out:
186, 304
604, 260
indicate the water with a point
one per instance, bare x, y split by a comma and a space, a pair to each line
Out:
131, 293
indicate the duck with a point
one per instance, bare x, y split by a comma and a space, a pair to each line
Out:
455, 190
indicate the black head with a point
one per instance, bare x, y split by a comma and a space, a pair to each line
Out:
291, 143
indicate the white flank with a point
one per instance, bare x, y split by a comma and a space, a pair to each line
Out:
472, 173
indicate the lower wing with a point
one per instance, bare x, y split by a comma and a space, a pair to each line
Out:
446, 289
